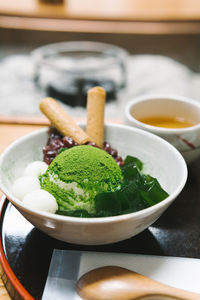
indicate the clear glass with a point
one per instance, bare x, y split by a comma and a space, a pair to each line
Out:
67, 70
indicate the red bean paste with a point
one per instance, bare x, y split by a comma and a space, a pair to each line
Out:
57, 141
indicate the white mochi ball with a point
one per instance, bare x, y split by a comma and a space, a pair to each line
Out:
24, 185
35, 168
41, 200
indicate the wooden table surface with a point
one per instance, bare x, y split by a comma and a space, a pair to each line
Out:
113, 16
105, 10
11, 129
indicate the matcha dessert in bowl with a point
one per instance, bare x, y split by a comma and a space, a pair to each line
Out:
85, 191
78, 174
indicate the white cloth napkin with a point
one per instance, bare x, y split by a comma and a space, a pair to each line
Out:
67, 266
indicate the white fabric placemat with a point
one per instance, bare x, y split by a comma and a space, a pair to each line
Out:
146, 74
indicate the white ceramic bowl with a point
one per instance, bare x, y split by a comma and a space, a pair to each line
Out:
160, 158
186, 140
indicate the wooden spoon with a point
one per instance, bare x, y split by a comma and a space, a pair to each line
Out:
116, 283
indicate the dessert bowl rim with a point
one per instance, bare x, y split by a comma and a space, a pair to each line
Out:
108, 219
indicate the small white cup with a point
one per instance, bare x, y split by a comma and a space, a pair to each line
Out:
186, 140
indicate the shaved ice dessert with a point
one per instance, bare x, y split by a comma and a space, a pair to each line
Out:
78, 174
85, 181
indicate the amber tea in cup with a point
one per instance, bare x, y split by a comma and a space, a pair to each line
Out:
167, 121
174, 118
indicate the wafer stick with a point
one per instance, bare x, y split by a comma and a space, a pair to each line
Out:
95, 115
60, 119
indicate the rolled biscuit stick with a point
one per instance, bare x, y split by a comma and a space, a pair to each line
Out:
60, 119
95, 114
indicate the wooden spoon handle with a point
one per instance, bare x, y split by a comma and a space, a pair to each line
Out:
173, 293
162, 296
162, 291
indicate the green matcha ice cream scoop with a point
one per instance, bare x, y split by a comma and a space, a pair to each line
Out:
78, 174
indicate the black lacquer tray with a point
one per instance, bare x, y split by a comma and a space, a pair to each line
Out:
25, 252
